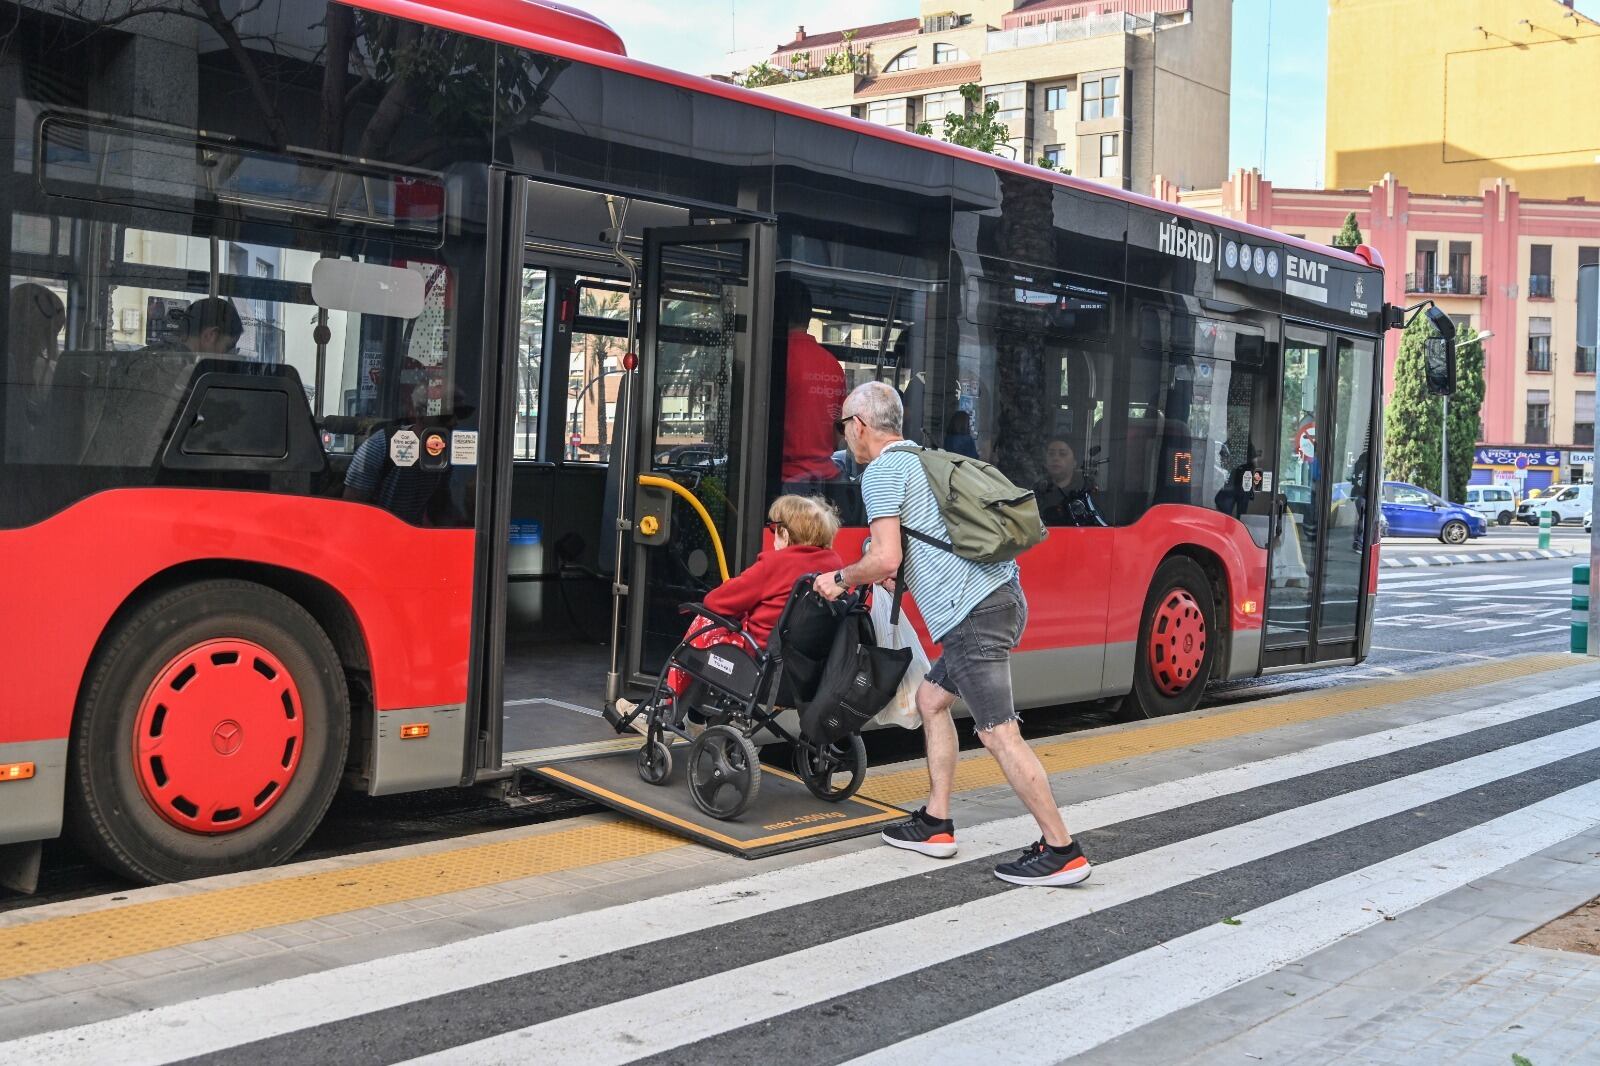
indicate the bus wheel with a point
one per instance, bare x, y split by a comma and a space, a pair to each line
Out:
1176, 647
211, 734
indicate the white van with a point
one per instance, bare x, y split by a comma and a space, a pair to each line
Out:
1495, 504
1567, 503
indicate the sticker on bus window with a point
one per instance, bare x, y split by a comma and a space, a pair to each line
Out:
464, 447
1266, 481
403, 447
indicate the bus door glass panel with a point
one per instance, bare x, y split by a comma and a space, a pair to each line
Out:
698, 332
1296, 528
530, 362
1347, 448
595, 373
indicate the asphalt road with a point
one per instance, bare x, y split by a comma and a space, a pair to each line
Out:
1427, 617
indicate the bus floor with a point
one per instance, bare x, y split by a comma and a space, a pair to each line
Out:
554, 690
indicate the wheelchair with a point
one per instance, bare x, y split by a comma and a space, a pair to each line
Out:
739, 689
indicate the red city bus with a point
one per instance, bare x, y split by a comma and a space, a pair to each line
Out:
340, 383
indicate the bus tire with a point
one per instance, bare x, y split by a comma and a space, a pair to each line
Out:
1176, 640
225, 689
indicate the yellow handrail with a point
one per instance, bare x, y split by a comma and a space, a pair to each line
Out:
699, 509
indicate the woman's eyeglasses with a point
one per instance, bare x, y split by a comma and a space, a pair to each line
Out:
772, 526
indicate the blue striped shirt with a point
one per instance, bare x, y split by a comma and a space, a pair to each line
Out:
945, 586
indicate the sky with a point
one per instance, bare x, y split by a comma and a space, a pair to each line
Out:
1279, 81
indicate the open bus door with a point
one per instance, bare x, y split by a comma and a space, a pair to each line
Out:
1326, 498
700, 457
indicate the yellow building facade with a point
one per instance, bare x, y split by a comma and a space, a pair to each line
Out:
1453, 95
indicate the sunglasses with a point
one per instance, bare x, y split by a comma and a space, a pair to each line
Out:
840, 423
772, 526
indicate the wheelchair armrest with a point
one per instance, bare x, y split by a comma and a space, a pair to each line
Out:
710, 615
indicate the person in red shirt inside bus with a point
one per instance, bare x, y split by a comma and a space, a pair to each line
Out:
813, 394
803, 528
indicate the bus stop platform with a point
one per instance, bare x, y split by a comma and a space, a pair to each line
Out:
784, 816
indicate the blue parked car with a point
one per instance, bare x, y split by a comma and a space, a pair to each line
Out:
1416, 512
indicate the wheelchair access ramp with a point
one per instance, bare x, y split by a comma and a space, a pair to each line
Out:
784, 816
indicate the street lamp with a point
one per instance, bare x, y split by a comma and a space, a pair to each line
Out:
1444, 430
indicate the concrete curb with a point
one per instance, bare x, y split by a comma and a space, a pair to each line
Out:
1412, 561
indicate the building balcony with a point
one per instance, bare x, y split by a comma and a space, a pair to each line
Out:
1541, 287
1583, 361
1536, 435
1448, 284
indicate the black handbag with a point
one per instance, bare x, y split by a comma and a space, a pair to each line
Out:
858, 680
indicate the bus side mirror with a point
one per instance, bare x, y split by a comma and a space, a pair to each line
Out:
1439, 356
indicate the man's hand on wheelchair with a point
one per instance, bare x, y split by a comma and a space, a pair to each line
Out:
826, 587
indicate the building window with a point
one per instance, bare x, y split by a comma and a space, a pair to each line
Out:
1540, 284
947, 53
1584, 363
935, 106
906, 60
1101, 98
1058, 98
896, 112
1583, 419
847, 110
1462, 322
1460, 267
1055, 155
1539, 345
1538, 417
1110, 159
1012, 98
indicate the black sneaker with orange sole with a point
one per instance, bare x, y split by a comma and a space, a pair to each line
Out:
935, 837
1044, 865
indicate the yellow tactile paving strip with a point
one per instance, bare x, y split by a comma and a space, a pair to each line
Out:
136, 928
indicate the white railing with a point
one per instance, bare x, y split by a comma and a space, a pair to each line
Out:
1064, 30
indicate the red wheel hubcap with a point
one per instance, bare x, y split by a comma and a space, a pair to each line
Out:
1177, 642
218, 736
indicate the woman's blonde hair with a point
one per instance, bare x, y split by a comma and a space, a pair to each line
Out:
809, 519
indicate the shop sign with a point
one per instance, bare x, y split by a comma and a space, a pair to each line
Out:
1521, 458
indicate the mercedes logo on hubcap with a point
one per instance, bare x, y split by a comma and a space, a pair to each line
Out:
227, 737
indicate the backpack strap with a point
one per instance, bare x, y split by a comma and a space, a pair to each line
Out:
935, 541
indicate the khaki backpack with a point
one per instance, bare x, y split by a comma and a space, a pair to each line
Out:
990, 519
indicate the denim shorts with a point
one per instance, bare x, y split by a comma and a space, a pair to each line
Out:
976, 664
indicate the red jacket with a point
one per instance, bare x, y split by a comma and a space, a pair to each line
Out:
756, 597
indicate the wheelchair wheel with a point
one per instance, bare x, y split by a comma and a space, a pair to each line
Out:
654, 762
832, 772
724, 772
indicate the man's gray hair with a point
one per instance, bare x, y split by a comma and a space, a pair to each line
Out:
878, 405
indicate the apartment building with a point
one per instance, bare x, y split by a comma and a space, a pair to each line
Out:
1497, 261
1112, 90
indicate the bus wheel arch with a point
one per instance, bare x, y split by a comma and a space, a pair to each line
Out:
1181, 633
184, 643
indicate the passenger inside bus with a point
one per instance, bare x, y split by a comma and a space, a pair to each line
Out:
814, 390
37, 318
1067, 495
209, 326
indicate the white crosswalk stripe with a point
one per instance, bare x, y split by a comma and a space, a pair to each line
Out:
1447, 760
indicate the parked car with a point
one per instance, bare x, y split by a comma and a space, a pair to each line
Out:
1566, 503
1588, 519
1496, 504
1416, 512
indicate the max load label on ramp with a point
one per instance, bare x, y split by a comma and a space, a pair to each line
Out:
784, 816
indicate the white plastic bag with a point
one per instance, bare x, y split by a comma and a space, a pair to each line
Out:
902, 709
